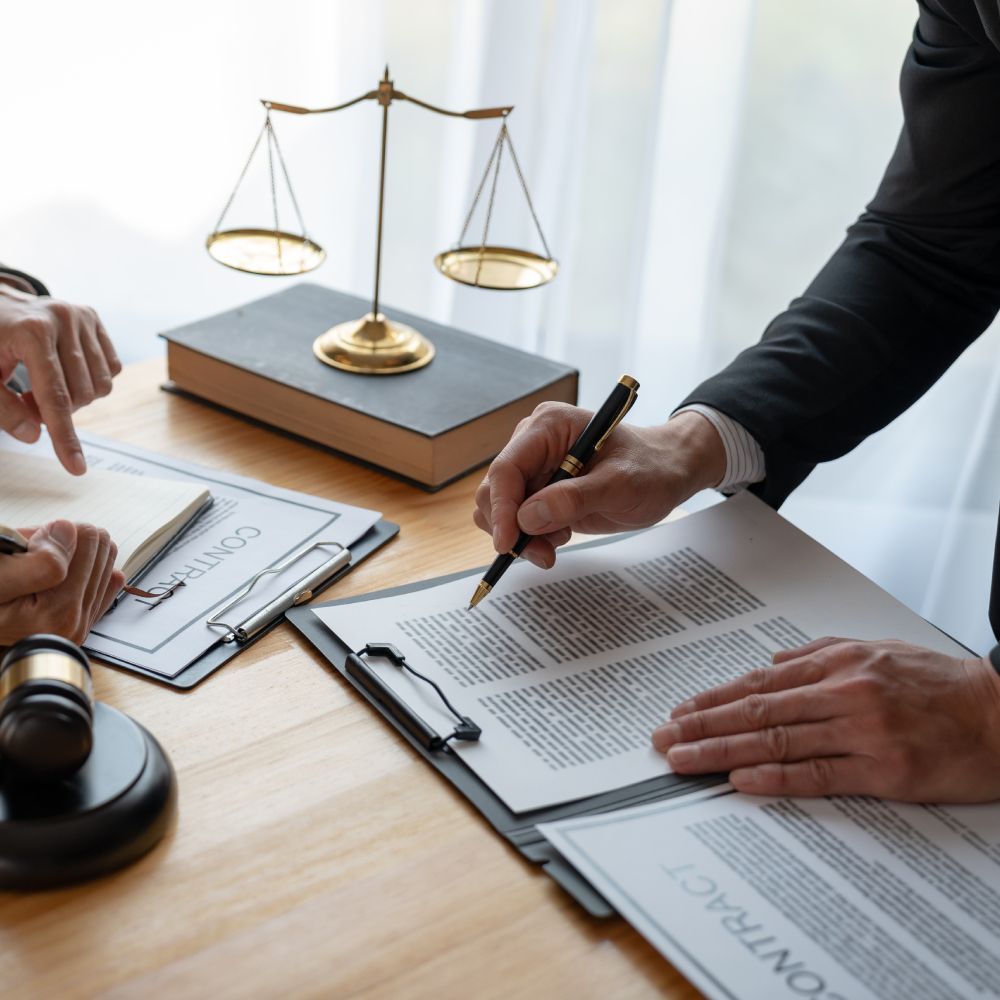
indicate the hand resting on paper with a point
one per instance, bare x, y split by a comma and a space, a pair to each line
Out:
843, 717
62, 584
636, 479
70, 360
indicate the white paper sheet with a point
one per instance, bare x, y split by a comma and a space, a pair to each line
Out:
250, 526
830, 899
568, 671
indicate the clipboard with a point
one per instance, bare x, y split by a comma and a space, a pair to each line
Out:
520, 830
222, 651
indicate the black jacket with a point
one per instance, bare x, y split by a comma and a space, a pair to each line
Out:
914, 283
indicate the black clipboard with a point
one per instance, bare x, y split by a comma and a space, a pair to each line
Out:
222, 652
520, 830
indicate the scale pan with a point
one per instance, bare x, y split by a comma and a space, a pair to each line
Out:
501, 268
265, 251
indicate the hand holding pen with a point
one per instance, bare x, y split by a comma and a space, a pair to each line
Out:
57, 578
639, 475
590, 440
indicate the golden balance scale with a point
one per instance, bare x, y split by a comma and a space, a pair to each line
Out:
373, 344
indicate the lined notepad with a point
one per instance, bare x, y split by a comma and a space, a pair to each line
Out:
141, 514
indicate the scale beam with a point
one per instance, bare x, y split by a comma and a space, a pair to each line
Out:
395, 95
385, 95
475, 113
295, 109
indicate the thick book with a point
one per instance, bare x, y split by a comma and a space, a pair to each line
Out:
428, 426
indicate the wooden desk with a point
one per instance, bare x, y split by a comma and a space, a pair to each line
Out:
315, 854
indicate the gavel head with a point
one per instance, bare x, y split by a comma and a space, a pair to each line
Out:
46, 709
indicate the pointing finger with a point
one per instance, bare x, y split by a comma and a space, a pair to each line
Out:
53, 400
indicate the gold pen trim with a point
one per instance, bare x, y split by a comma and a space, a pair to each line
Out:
633, 394
481, 591
571, 465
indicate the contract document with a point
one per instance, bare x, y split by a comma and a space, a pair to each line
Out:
568, 671
826, 899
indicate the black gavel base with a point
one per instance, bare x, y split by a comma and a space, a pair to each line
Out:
112, 811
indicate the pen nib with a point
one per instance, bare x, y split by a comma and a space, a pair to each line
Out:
481, 591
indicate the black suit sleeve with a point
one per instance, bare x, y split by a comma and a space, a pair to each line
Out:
914, 283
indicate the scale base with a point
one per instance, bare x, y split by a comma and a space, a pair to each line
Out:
373, 345
108, 814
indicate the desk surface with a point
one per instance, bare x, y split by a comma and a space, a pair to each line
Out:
315, 854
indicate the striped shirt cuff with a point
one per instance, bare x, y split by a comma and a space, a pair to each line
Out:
744, 457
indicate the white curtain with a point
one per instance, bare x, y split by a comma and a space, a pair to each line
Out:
693, 162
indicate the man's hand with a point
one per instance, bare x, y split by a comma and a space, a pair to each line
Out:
71, 362
636, 479
62, 584
841, 717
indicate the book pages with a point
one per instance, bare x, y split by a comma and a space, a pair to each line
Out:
135, 510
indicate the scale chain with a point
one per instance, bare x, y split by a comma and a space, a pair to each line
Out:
288, 183
274, 194
493, 163
243, 172
489, 206
479, 190
527, 194
272, 138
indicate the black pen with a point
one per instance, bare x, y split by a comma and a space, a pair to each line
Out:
591, 440
12, 542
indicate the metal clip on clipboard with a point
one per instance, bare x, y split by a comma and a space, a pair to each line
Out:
379, 691
300, 592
